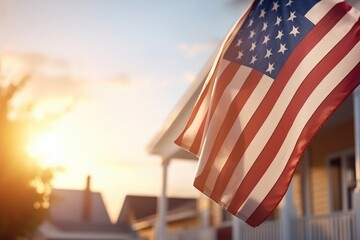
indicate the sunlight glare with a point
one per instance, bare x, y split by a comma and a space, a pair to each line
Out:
47, 149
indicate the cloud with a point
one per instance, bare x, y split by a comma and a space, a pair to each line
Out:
110, 88
118, 82
31, 63
195, 49
189, 76
52, 77
50, 87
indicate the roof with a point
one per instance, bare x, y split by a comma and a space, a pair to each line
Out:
67, 219
68, 205
90, 227
162, 143
48, 231
144, 208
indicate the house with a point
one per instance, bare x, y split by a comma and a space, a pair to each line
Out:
80, 215
140, 213
322, 202
319, 202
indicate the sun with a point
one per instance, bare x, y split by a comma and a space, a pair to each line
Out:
47, 148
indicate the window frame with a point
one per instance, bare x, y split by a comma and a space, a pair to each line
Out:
343, 156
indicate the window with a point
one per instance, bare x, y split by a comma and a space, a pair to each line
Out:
341, 181
335, 184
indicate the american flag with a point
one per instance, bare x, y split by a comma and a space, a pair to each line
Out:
282, 71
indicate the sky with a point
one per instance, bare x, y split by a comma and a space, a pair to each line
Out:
110, 71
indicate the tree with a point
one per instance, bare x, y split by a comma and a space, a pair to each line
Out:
24, 186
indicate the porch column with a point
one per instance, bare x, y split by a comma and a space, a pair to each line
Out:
356, 194
204, 208
306, 186
305, 181
162, 204
236, 228
287, 213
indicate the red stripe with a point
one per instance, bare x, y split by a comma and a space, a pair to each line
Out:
269, 152
236, 106
222, 83
327, 107
256, 121
226, 76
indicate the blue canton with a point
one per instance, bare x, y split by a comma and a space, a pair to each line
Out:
271, 32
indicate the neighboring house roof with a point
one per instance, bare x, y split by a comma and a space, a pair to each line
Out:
80, 214
49, 231
69, 206
140, 211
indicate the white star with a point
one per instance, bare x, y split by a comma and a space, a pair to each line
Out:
251, 22
265, 26
289, 3
270, 68
295, 31
261, 2
282, 48
252, 34
279, 35
253, 59
278, 21
275, 6
240, 55
268, 53
292, 16
253, 46
262, 14
239, 42
266, 39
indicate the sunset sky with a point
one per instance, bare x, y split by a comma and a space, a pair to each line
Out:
121, 66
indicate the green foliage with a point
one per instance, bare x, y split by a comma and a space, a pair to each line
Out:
24, 186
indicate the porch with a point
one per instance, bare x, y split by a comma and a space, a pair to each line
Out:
339, 225
329, 188
329, 199
322, 202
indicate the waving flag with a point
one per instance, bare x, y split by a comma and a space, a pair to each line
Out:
282, 71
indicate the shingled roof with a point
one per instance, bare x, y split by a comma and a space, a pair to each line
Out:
81, 214
140, 209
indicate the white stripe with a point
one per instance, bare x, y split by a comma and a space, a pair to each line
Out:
266, 130
190, 134
318, 95
218, 117
319, 10
244, 116
355, 13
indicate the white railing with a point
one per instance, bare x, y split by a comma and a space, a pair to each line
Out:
335, 226
192, 234
340, 225
269, 230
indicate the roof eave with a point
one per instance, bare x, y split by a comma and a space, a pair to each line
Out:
163, 142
